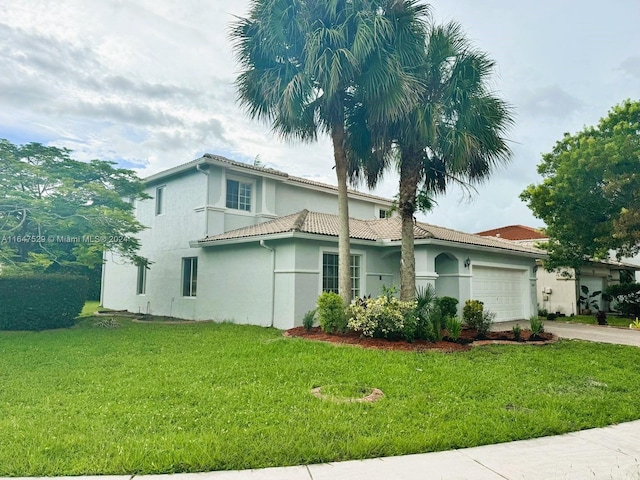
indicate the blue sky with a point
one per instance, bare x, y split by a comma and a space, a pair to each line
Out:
149, 84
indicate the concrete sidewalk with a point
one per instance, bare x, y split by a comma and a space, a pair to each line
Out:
611, 453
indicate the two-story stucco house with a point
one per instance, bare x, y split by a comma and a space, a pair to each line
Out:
230, 241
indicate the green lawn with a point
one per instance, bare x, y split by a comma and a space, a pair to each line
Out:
591, 320
90, 308
152, 398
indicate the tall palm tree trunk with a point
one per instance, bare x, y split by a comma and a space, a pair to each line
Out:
409, 177
344, 257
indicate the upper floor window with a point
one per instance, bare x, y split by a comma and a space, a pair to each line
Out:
384, 213
189, 276
330, 273
239, 195
159, 200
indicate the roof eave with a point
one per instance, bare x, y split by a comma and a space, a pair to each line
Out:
278, 236
482, 248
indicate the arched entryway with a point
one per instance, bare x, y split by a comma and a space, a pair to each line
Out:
448, 281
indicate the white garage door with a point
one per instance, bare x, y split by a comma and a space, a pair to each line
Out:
501, 290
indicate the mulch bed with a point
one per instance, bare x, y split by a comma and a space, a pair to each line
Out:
468, 339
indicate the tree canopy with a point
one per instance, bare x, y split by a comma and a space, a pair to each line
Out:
590, 194
455, 134
57, 212
306, 65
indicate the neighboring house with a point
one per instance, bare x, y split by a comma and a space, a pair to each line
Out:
230, 241
559, 290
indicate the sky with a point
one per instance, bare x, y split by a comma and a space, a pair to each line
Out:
149, 84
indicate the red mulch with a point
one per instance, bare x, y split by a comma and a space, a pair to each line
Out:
467, 339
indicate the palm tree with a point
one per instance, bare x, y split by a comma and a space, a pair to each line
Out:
305, 64
454, 135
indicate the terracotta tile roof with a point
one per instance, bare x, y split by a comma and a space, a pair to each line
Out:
515, 232
389, 229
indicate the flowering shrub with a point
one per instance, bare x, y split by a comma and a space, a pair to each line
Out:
382, 317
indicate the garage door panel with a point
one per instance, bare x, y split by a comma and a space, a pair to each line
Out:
501, 290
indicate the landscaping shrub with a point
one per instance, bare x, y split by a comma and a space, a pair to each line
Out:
550, 316
517, 332
474, 316
536, 325
381, 317
39, 302
308, 319
448, 306
485, 323
454, 327
472, 313
331, 313
433, 321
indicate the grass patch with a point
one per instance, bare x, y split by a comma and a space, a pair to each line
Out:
591, 320
155, 398
90, 308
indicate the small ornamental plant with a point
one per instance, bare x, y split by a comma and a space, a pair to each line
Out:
517, 332
635, 325
308, 319
537, 326
454, 327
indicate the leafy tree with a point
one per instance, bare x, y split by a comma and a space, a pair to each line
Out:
58, 214
455, 134
307, 64
590, 194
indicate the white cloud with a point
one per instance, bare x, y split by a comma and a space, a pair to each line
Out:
150, 83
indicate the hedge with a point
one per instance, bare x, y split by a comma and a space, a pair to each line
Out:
39, 302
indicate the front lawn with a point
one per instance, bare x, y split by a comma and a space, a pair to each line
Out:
153, 398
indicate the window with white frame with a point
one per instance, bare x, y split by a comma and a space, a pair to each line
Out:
160, 200
189, 276
384, 213
141, 287
239, 195
330, 273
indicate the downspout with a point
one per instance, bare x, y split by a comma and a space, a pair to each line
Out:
273, 279
102, 275
206, 199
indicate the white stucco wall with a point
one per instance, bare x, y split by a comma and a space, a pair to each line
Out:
164, 243
291, 198
562, 298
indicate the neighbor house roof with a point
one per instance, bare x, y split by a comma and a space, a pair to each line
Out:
389, 229
209, 159
515, 232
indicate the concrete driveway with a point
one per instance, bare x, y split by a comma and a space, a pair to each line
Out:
579, 331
